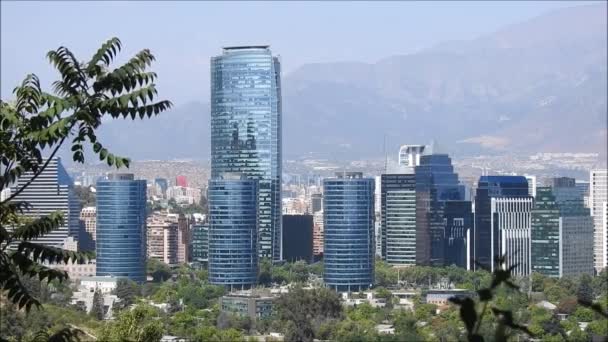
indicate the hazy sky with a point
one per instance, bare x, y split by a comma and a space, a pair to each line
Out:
183, 35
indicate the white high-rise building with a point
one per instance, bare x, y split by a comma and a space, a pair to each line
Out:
377, 207
531, 185
409, 156
51, 191
512, 216
598, 196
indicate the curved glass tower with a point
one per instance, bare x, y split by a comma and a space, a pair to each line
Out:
246, 131
349, 248
121, 227
232, 232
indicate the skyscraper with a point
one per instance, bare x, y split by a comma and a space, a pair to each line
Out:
233, 219
398, 216
502, 219
246, 131
545, 234
458, 218
575, 229
436, 184
121, 227
297, 237
52, 190
349, 250
598, 195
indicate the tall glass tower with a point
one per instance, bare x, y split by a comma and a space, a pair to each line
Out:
246, 131
121, 227
349, 250
233, 221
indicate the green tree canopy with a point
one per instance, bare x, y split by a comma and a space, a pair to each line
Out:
38, 123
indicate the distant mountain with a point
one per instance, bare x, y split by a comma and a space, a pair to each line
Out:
538, 85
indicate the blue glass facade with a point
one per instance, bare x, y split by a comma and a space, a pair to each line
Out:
121, 227
349, 248
489, 187
232, 232
436, 185
246, 131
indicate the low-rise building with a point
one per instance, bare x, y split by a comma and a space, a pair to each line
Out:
76, 270
103, 284
251, 303
442, 296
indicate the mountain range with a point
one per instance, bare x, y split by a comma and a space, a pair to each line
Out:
534, 86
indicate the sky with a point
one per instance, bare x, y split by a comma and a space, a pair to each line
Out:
184, 35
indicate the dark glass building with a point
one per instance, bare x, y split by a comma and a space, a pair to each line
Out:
200, 244
545, 234
436, 184
246, 131
576, 228
233, 210
349, 248
398, 219
121, 227
297, 237
316, 202
458, 216
486, 235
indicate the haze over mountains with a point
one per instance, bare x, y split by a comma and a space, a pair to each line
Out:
535, 86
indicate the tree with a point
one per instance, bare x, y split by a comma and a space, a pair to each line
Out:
158, 270
303, 310
97, 309
38, 122
585, 292
140, 324
126, 290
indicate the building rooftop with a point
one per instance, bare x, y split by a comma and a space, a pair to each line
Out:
246, 47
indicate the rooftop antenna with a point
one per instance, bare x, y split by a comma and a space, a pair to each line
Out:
385, 155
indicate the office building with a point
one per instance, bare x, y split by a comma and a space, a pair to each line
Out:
162, 238
233, 211
162, 185
436, 184
409, 156
246, 131
181, 181
545, 234
398, 216
88, 217
378, 214
184, 235
458, 218
316, 203
51, 191
583, 188
255, 305
317, 235
531, 185
598, 195
200, 244
121, 227
349, 253
576, 229
502, 220
297, 238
